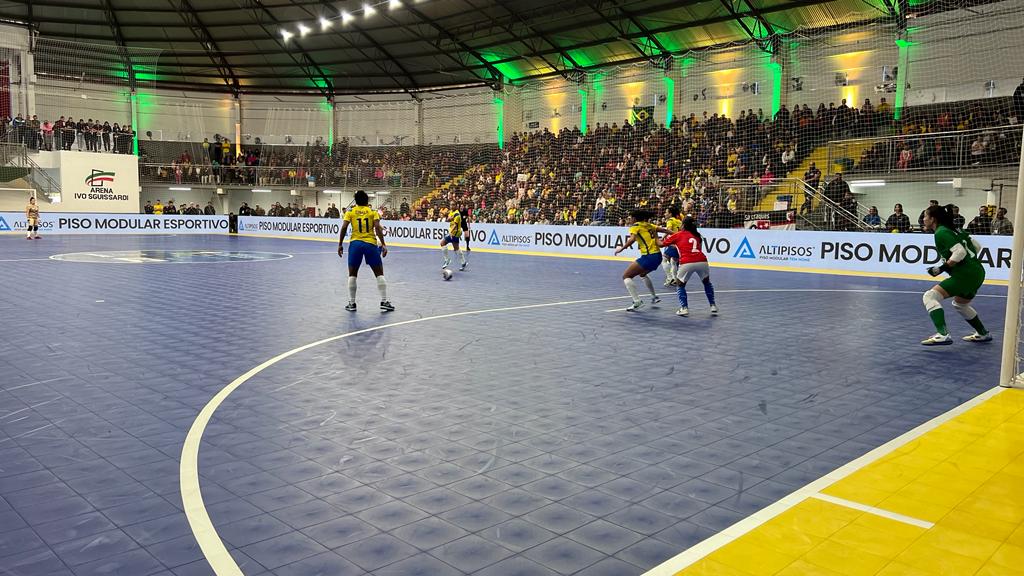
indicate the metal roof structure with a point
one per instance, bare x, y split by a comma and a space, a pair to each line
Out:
403, 46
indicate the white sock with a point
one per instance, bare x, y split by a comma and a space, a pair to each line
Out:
351, 288
444, 252
650, 285
382, 285
631, 287
675, 268
462, 256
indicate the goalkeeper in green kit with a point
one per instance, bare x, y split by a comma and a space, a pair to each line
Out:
966, 275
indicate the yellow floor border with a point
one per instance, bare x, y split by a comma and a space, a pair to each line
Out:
944, 498
767, 268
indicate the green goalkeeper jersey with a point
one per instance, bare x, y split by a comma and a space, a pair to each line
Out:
946, 239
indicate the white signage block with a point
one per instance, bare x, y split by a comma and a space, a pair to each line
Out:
96, 182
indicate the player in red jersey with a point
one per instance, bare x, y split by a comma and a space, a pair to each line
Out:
692, 261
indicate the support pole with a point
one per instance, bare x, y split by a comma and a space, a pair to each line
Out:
1011, 324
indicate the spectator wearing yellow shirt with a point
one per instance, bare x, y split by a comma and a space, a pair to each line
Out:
158, 208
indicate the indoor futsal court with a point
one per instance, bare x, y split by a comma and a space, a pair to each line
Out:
511, 288
513, 421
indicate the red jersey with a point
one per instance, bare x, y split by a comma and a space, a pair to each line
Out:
690, 247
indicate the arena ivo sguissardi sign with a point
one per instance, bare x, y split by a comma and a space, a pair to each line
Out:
100, 184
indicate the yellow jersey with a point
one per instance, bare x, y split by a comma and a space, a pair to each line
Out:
455, 224
646, 237
674, 224
362, 220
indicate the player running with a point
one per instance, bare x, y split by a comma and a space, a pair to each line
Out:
966, 275
466, 212
365, 222
645, 235
689, 244
454, 233
670, 260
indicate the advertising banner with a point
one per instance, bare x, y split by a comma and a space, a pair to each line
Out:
881, 253
74, 223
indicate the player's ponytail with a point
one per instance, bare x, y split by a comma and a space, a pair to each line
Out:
690, 225
943, 215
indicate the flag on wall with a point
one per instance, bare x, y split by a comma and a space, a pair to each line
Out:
641, 116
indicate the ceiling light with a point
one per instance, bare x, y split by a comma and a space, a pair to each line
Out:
867, 183
287, 35
324, 23
346, 17
303, 29
394, 4
262, 190
368, 10
945, 182
179, 189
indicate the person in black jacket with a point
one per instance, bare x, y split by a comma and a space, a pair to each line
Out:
209, 210
898, 221
1018, 103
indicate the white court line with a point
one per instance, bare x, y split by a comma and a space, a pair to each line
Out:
876, 511
698, 551
223, 564
35, 383
25, 260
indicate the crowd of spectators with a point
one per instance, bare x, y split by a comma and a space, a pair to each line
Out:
573, 178
310, 165
190, 209
933, 137
67, 134
989, 221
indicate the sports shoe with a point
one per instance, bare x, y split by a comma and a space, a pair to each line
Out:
937, 340
446, 263
387, 306
978, 337
655, 300
39, 237
669, 282
351, 306
636, 305
684, 311
714, 310
463, 267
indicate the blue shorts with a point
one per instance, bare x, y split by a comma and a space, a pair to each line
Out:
452, 240
650, 262
671, 252
359, 250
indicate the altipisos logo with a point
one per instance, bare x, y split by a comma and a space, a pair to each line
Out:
99, 178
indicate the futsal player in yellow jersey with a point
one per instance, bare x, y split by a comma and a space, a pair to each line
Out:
645, 236
670, 262
365, 223
454, 233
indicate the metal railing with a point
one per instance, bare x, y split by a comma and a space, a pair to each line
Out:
814, 210
958, 151
16, 155
291, 176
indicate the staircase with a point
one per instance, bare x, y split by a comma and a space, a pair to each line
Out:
426, 198
18, 169
820, 158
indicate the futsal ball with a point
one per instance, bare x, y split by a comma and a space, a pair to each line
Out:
446, 273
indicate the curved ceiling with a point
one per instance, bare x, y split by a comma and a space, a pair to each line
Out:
400, 45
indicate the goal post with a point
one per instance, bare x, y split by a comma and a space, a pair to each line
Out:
1009, 373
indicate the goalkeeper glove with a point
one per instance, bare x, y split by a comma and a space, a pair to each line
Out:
936, 270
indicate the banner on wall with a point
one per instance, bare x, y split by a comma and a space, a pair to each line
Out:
74, 223
834, 251
95, 182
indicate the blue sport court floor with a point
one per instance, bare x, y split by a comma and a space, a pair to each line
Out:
512, 421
